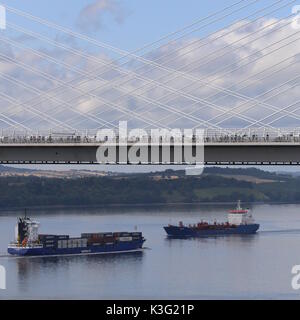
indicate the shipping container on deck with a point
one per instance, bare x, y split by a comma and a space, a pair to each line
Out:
50, 246
92, 235
124, 234
63, 237
136, 234
108, 239
125, 239
64, 244
116, 234
83, 243
47, 236
108, 234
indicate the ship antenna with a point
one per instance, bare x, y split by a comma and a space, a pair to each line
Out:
25, 213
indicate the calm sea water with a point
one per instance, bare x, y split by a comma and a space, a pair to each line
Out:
255, 267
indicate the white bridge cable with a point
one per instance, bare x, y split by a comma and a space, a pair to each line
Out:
210, 41
149, 45
99, 61
247, 85
209, 60
28, 108
261, 102
280, 111
45, 56
69, 67
288, 113
232, 93
50, 77
204, 18
213, 40
173, 33
254, 81
68, 105
250, 99
43, 21
244, 96
244, 118
35, 90
287, 107
253, 120
196, 120
96, 42
49, 24
248, 63
13, 123
228, 90
240, 95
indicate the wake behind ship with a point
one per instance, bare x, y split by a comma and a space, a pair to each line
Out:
240, 221
28, 242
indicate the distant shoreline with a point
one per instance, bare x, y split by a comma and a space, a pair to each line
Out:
170, 189
152, 205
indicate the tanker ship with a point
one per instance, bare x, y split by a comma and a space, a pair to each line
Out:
240, 222
28, 242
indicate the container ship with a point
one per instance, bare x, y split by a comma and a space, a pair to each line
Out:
28, 242
240, 222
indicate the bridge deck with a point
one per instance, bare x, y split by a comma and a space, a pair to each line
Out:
237, 153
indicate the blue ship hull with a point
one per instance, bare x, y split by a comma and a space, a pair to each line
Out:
186, 232
121, 247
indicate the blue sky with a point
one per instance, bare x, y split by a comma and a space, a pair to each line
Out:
144, 20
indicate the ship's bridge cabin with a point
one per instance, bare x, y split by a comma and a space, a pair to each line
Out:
240, 216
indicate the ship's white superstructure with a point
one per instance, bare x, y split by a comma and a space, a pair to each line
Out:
240, 216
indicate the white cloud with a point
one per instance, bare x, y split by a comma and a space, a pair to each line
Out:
199, 62
91, 17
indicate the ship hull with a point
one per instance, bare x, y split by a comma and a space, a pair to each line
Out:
186, 232
121, 247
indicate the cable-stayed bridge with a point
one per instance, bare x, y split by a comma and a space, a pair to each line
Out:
239, 84
254, 147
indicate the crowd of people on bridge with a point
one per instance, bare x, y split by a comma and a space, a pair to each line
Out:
209, 138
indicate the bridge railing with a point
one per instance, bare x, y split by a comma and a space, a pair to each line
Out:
255, 135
